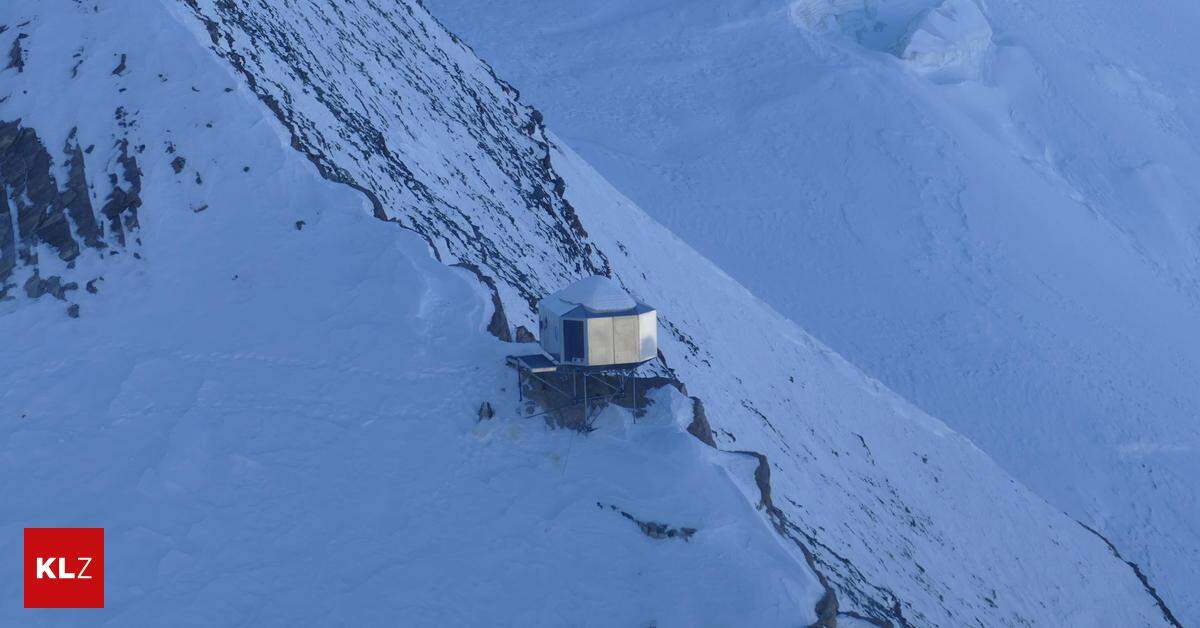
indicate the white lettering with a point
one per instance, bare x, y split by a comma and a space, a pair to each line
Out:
43, 568
87, 561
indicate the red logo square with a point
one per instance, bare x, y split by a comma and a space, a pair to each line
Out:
64, 568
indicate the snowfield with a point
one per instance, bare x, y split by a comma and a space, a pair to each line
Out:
988, 206
267, 390
267, 450
279, 426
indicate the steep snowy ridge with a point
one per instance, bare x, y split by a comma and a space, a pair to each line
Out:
911, 523
317, 414
274, 413
413, 120
1013, 245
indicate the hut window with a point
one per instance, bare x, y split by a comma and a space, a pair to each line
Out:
572, 340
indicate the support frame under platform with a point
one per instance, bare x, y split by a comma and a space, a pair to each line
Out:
537, 367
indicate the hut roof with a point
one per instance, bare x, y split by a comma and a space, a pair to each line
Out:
596, 294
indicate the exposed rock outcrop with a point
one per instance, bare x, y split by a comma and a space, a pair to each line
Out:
400, 75
654, 529
58, 215
699, 426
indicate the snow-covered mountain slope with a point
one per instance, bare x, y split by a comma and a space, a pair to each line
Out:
279, 425
986, 205
266, 448
909, 521
272, 407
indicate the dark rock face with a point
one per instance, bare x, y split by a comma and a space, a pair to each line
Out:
32, 195
654, 529
120, 69
8, 246
123, 202
699, 426
35, 287
48, 213
524, 335
16, 56
75, 196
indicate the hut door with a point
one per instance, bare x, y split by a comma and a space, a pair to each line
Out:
572, 340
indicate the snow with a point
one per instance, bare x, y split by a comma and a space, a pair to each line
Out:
949, 43
279, 426
277, 423
596, 293
905, 511
312, 456
1013, 246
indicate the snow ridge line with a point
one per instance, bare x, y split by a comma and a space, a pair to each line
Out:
1137, 571
568, 235
445, 213
827, 607
325, 170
